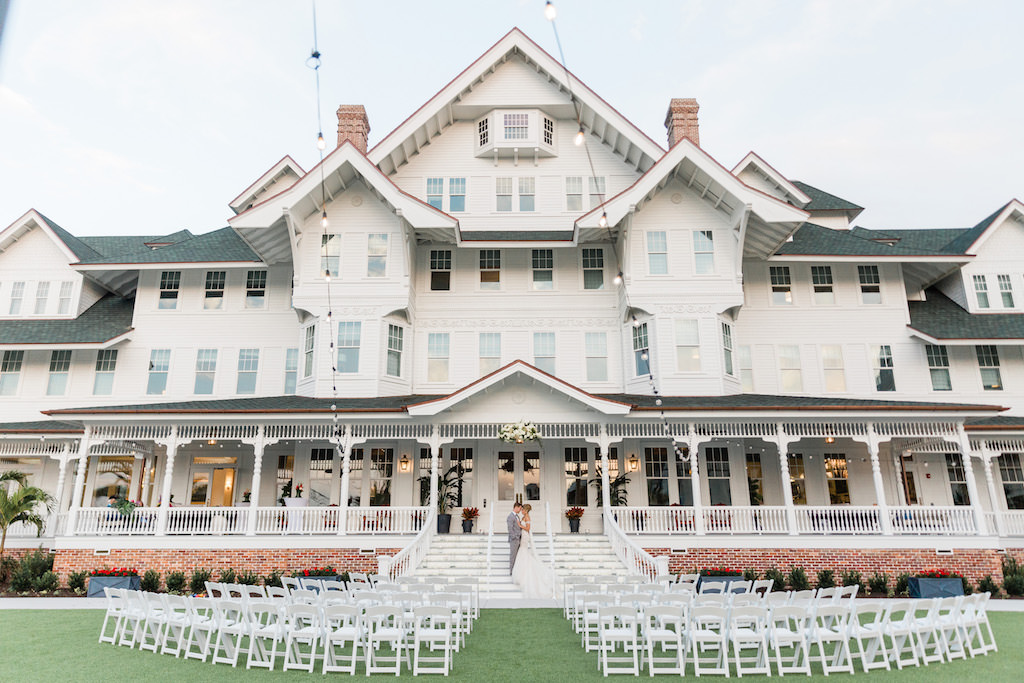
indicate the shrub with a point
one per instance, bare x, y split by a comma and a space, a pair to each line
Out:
344, 577
150, 581
751, 575
30, 570
797, 579
987, 585
902, 585
197, 582
227, 576
326, 570
274, 579
777, 576
76, 581
1014, 584
175, 581
879, 583
826, 579
852, 578
7, 567
49, 581
248, 578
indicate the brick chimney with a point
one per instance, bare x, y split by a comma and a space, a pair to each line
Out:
681, 120
353, 125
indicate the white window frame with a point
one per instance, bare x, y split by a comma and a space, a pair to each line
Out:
291, 370
256, 289
870, 280
598, 191
483, 131
395, 345
159, 371
746, 363
641, 350
308, 350
823, 285
330, 255
656, 242
490, 262
704, 252
170, 290
687, 332
833, 369
42, 297
60, 371
377, 254
17, 298
595, 350
981, 291
247, 381
1005, 290
515, 126
106, 365
988, 367
545, 351
65, 297
435, 193
206, 370
11, 363
503, 194
937, 357
457, 194
213, 296
592, 265
542, 270
883, 365
780, 281
490, 352
440, 263
438, 357
574, 193
527, 194
791, 374
350, 337
727, 349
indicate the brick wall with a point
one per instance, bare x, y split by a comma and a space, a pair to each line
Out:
972, 564
261, 561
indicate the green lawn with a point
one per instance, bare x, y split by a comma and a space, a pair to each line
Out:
520, 646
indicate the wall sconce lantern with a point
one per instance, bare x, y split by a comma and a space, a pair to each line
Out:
212, 442
405, 465
633, 464
830, 439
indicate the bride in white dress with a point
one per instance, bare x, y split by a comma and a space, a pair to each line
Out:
535, 579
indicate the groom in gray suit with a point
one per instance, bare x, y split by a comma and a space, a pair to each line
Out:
515, 533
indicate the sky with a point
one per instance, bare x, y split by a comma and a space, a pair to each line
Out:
145, 117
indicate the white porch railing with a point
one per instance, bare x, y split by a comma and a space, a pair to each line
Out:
204, 521
490, 541
324, 520
110, 522
930, 521
551, 536
636, 559
1013, 522
753, 519
387, 520
406, 561
837, 519
654, 520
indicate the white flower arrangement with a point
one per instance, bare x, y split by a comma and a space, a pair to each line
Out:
518, 432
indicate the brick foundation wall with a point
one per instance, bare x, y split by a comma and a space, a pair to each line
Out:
262, 561
973, 564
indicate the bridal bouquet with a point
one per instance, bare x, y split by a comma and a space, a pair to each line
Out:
518, 432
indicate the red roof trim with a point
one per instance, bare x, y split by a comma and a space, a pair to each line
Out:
247, 190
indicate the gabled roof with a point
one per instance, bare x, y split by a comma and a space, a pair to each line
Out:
816, 240
517, 235
791, 193
74, 248
103, 324
286, 167
940, 320
969, 241
441, 110
823, 201
219, 246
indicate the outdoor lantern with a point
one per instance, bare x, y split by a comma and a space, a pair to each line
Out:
405, 465
634, 463
830, 439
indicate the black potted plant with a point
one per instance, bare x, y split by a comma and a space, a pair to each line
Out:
468, 515
574, 515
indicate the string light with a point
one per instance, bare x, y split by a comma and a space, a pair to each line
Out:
321, 144
549, 11
603, 221
581, 137
323, 219
618, 278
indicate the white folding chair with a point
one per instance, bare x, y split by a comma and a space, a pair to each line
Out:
867, 636
569, 587
343, 631
926, 630
739, 587
617, 626
151, 633
384, 625
433, 630
712, 587
133, 617
232, 626
176, 624
950, 628
266, 633
745, 600
762, 586
290, 583
688, 578
591, 603
304, 596
458, 606
215, 590
302, 634
776, 599
828, 627
312, 583
253, 593
898, 625
116, 606
201, 629
708, 631
664, 637
977, 630
683, 600
464, 591
788, 631
277, 593
748, 630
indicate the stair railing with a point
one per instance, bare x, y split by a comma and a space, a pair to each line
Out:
551, 538
636, 559
490, 542
406, 561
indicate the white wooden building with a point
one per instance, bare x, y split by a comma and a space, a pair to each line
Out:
656, 314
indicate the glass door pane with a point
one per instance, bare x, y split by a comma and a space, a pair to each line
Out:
200, 488
223, 487
531, 475
506, 476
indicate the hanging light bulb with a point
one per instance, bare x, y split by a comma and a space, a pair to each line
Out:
327, 275
618, 278
549, 11
580, 136
636, 323
320, 142
643, 356
323, 219
603, 220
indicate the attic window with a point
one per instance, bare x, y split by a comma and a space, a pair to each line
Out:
483, 132
517, 126
511, 133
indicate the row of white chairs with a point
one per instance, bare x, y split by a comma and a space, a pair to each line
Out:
425, 636
715, 637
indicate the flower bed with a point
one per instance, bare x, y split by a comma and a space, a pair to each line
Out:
119, 577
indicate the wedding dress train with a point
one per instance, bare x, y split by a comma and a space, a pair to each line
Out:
535, 579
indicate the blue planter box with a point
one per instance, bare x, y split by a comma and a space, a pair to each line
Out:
98, 583
936, 588
713, 579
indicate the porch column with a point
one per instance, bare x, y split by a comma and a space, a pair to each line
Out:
165, 489
606, 494
77, 491
897, 468
435, 457
884, 519
62, 472
257, 473
138, 472
344, 444
144, 485
990, 482
693, 446
972, 482
782, 442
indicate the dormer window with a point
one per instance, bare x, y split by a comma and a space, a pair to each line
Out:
517, 126
514, 133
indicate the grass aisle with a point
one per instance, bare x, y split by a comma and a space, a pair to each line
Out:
521, 646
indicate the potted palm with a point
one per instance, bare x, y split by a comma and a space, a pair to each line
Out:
574, 515
447, 486
468, 515
21, 504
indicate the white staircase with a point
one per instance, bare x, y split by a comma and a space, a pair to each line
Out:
466, 555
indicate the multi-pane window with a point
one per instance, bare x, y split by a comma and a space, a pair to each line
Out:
170, 283
543, 263
64, 302
527, 190
308, 348
382, 469
641, 350
159, 364
885, 379
797, 479
727, 348
988, 363
746, 369
837, 475
1005, 290
456, 194
782, 285
719, 489
490, 269
790, 369
596, 353
657, 252
255, 288
214, 298
440, 270
821, 281
517, 126
60, 367
656, 469
330, 254
957, 479
593, 268
106, 363
483, 131
42, 294
1013, 480
597, 191
461, 458
704, 252
435, 192
503, 194
832, 365
437, 357
206, 370
349, 338
981, 290
684, 484
870, 284
574, 193
755, 479
17, 295
544, 351
376, 254
549, 131
490, 352
10, 371
248, 368
321, 476
577, 467
291, 370
394, 363
687, 346
938, 367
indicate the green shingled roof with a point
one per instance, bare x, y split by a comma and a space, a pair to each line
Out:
964, 241
80, 249
269, 404
823, 201
1002, 422
109, 317
517, 235
941, 318
770, 402
815, 240
222, 245
39, 427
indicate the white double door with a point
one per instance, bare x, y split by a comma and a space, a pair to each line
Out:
521, 477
